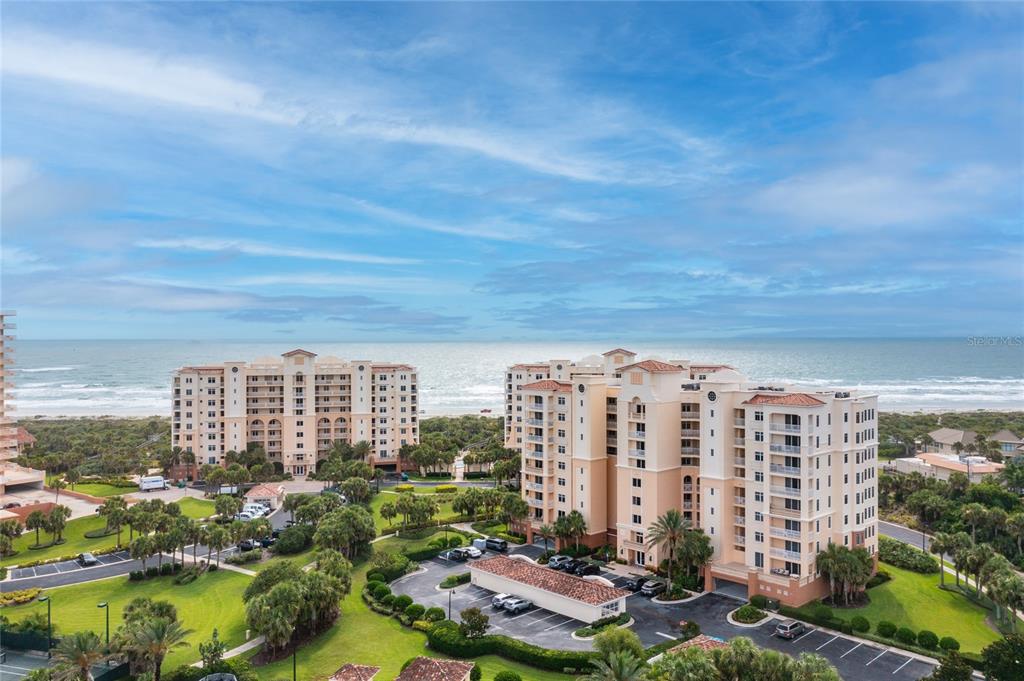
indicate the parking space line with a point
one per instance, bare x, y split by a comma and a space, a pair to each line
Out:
11, 666
875, 658
851, 650
909, 659
482, 598
558, 625
554, 614
826, 643
809, 632
671, 638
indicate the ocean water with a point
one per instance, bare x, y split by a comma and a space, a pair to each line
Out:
132, 378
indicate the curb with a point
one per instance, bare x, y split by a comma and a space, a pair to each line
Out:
730, 620
631, 622
682, 600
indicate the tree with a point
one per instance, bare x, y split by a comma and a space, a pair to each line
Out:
514, 508
356, 490
157, 637
217, 538
976, 559
275, 613
294, 501
577, 526
1015, 528
1003, 660
847, 570
616, 641
474, 623
36, 520
695, 551
388, 511
57, 484
666, 533
942, 543
814, 667
953, 668
622, 666
56, 521
211, 652
73, 477
226, 505
689, 664
76, 655
361, 450
546, 533
973, 515
142, 548
960, 542
735, 661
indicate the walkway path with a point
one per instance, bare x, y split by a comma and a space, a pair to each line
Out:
238, 650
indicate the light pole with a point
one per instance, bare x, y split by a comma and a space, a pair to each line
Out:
49, 625
450, 602
106, 608
295, 650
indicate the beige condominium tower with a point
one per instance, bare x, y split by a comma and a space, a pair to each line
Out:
772, 473
12, 476
295, 407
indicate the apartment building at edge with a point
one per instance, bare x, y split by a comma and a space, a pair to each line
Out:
12, 476
771, 473
295, 407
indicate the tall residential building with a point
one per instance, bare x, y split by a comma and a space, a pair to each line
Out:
12, 476
295, 407
771, 473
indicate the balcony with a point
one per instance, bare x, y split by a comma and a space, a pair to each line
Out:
535, 422
740, 461
687, 505
784, 470
785, 449
787, 534
739, 541
740, 441
740, 501
638, 434
788, 555
538, 503
689, 432
535, 438
784, 512
739, 520
793, 492
535, 454
784, 428
638, 452
688, 487
690, 450
739, 423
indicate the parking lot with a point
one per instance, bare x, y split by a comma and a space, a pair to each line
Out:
657, 622
67, 566
17, 664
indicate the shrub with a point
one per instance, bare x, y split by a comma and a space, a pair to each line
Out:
748, 614
388, 600
152, 571
390, 566
821, 611
188, 575
166, 569
454, 542
906, 636
860, 623
474, 623
381, 590
404, 488
452, 581
434, 614
475, 674
136, 576
402, 602
415, 611
445, 489
881, 577
445, 638
507, 676
243, 558
618, 641
949, 643
885, 629
375, 577
213, 567
927, 639
294, 539
759, 601
905, 556
597, 626
19, 597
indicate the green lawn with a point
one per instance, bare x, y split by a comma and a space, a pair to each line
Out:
76, 541
914, 600
301, 559
364, 637
213, 600
99, 489
444, 513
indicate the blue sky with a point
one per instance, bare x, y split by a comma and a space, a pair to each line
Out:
527, 171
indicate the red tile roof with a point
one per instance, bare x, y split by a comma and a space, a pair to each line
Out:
299, 351
25, 437
529, 366
788, 400
355, 672
264, 491
569, 586
549, 384
710, 367
433, 669
654, 366
702, 641
618, 351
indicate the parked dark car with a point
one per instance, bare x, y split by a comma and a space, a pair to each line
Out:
15, 504
87, 559
267, 542
588, 569
455, 555
247, 545
635, 584
276, 532
496, 544
652, 588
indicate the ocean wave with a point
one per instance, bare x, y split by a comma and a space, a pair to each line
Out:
42, 369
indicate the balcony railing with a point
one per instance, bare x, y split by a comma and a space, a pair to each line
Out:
784, 428
687, 505
535, 438
739, 520
689, 432
787, 449
637, 434
535, 422
690, 450
788, 555
784, 470
783, 511
786, 491
740, 423
737, 539
740, 461
638, 452
687, 487
780, 532
740, 441
740, 501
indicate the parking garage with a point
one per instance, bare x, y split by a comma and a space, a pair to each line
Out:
585, 600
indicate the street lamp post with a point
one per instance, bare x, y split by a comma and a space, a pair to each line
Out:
106, 608
294, 663
450, 603
49, 625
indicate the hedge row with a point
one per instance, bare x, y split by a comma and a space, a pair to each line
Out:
445, 637
19, 597
905, 556
154, 571
817, 614
452, 581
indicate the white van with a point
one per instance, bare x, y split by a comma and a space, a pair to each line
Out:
152, 482
255, 510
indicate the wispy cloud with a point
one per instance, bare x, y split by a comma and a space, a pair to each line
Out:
254, 248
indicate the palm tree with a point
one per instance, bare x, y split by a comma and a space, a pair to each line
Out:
562, 530
735, 661
361, 450
976, 559
1015, 528
76, 655
814, 667
157, 637
36, 520
942, 543
960, 543
57, 484
577, 525
689, 664
189, 458
546, 532
620, 666
974, 515
665, 533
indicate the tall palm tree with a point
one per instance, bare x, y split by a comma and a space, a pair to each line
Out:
57, 484
546, 532
735, 661
562, 529
76, 655
666, 533
578, 525
828, 562
157, 637
961, 542
1015, 528
619, 666
976, 559
973, 514
942, 543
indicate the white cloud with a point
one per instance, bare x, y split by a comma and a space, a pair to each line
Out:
19, 261
214, 245
407, 285
15, 172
